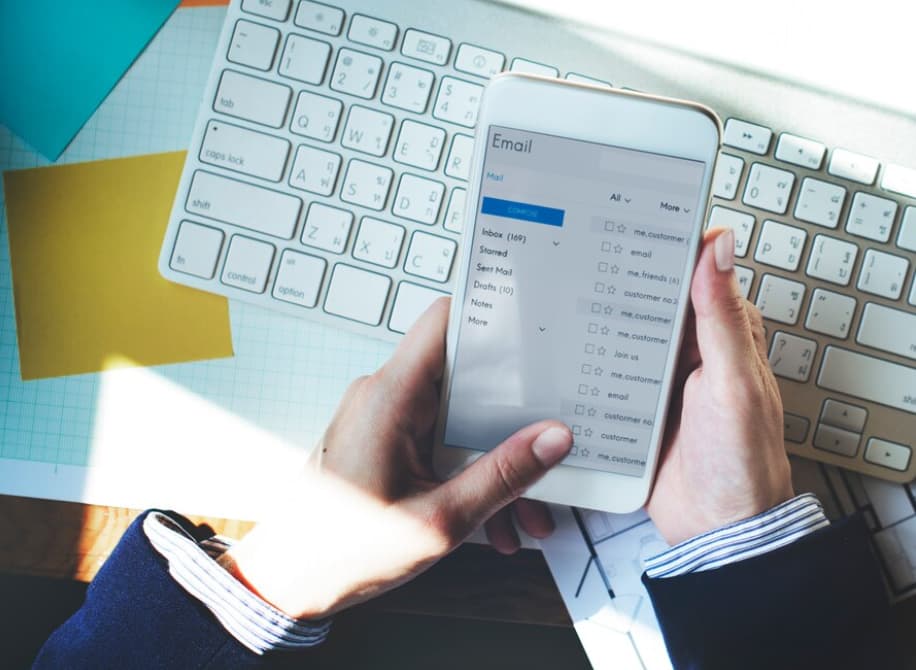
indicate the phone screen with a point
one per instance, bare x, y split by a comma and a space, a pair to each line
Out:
577, 261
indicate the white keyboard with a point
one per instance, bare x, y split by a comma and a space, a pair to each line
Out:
327, 178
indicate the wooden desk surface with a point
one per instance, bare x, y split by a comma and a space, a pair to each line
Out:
70, 540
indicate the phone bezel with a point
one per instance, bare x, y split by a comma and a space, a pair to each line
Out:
580, 111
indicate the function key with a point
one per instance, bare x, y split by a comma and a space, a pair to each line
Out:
800, 151
855, 167
747, 136
426, 47
899, 179
317, 16
582, 79
531, 67
479, 62
372, 32
269, 9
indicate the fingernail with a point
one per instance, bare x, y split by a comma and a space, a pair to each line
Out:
725, 251
551, 446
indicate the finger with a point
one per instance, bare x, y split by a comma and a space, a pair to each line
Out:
724, 335
534, 517
501, 532
757, 330
420, 357
499, 477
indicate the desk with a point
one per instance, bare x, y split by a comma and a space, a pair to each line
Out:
71, 541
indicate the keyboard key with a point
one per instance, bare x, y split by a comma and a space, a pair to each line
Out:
378, 242
820, 202
317, 16
316, 116
367, 131
458, 102
357, 294
868, 378
277, 10
882, 274
327, 227
800, 151
747, 136
253, 45
889, 454
247, 264
832, 259
366, 184
372, 32
243, 204
314, 170
899, 179
780, 299
792, 356
837, 440
454, 215
745, 277
304, 59
426, 47
196, 249
418, 199
458, 164
740, 222
408, 87
830, 313
299, 278
419, 145
430, 256
356, 73
481, 62
526, 66
871, 217
852, 166
768, 188
252, 99
242, 150
590, 81
906, 238
727, 175
843, 415
795, 428
410, 302
780, 245
888, 329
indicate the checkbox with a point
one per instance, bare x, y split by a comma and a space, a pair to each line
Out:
610, 227
589, 348
580, 409
586, 369
602, 267
593, 328
599, 287
583, 389
605, 246
576, 430
574, 451
596, 308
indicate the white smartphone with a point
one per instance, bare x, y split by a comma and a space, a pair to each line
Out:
582, 226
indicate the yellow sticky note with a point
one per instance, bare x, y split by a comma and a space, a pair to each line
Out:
84, 243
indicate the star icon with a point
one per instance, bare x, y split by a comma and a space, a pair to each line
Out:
587, 432
602, 351
585, 452
598, 371
595, 390
612, 289
608, 310
615, 269
605, 331
592, 411
621, 228
618, 248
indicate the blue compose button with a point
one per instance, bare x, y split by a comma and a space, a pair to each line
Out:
522, 211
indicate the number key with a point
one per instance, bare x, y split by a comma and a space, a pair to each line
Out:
458, 102
356, 73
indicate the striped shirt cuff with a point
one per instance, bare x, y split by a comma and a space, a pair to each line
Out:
777, 527
257, 625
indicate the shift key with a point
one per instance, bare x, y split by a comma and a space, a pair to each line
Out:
869, 378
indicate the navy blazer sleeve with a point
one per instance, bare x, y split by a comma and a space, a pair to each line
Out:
816, 603
136, 616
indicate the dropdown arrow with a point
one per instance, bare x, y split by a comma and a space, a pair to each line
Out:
686, 211
541, 328
556, 244
627, 200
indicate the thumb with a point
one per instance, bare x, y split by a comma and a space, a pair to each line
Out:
724, 335
499, 477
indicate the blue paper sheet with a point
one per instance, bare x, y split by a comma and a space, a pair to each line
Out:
58, 61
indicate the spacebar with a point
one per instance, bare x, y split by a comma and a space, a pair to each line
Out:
868, 378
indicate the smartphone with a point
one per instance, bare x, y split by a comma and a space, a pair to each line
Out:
582, 227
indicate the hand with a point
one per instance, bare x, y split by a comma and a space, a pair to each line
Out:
369, 513
723, 458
